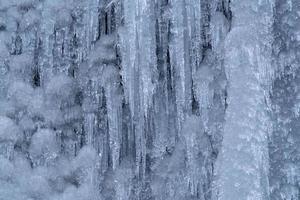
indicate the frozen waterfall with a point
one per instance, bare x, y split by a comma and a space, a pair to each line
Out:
149, 99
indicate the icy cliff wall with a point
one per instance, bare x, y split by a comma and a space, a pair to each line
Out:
149, 99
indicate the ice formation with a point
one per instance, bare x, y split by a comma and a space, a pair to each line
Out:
149, 99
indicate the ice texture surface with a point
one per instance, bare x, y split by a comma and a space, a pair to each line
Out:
149, 100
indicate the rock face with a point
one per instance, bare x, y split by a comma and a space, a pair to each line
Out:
149, 99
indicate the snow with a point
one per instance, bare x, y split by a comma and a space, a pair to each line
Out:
43, 147
9, 131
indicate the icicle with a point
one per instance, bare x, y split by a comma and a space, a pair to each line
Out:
139, 68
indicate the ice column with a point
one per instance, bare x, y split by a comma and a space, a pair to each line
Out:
242, 166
